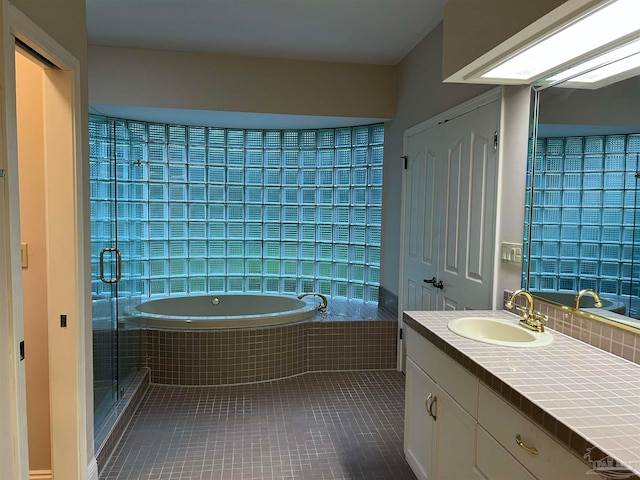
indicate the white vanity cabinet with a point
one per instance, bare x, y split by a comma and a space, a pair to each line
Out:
457, 428
540, 454
439, 431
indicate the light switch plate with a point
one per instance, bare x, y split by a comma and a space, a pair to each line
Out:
24, 255
511, 253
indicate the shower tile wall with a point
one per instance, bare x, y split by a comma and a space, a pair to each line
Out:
585, 214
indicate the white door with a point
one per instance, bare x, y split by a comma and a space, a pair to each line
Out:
468, 170
449, 204
421, 223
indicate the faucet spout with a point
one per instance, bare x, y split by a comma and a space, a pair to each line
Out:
528, 318
323, 300
526, 312
588, 291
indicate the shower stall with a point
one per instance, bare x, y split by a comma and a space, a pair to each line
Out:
117, 214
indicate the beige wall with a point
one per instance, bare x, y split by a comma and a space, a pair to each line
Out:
29, 111
421, 95
617, 105
473, 27
201, 81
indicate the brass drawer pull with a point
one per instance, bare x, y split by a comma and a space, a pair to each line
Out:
429, 405
433, 402
532, 450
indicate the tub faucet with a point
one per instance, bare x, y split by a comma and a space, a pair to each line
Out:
323, 304
528, 318
593, 293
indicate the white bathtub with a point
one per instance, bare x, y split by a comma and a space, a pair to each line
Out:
221, 311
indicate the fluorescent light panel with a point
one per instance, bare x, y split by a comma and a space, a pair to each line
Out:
599, 28
630, 60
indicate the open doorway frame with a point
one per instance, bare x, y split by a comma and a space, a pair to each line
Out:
65, 184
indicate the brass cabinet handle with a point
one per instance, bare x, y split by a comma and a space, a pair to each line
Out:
429, 405
433, 402
532, 450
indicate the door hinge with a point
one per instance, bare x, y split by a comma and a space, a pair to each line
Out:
1, 173
495, 140
401, 334
406, 159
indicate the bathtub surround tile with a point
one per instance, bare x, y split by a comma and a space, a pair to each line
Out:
352, 346
324, 426
227, 357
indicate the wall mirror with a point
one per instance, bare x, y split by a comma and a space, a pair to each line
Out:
583, 190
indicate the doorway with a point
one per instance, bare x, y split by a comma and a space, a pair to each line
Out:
30, 73
62, 313
449, 210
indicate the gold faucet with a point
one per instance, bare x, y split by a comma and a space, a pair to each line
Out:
593, 293
528, 317
323, 304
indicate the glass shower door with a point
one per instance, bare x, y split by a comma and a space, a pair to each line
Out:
131, 208
118, 211
103, 266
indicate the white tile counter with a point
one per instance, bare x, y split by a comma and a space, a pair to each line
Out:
594, 393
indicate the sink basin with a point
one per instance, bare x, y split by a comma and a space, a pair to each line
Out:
498, 331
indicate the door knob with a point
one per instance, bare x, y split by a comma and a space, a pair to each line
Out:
434, 281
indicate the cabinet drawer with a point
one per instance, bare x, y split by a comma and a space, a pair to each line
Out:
454, 379
495, 462
503, 422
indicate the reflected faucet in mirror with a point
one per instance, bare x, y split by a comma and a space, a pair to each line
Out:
588, 291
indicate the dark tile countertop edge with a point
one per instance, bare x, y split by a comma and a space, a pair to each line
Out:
553, 427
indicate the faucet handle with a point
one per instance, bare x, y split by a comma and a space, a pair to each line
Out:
524, 311
541, 317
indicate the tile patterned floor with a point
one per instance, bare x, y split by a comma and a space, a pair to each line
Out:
329, 426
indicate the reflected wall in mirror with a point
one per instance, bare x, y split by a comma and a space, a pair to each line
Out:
584, 208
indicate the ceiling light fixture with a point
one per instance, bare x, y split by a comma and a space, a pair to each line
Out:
588, 34
611, 67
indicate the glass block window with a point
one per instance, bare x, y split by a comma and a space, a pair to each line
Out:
584, 214
258, 211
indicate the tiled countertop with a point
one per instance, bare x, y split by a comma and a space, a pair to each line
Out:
592, 392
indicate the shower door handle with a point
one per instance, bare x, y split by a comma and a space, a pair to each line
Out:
118, 265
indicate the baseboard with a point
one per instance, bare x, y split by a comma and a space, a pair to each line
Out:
42, 475
92, 470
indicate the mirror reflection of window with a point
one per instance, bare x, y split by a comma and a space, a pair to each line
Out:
584, 209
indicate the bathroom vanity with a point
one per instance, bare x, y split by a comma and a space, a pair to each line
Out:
481, 411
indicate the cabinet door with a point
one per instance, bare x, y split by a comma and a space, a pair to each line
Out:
455, 440
418, 426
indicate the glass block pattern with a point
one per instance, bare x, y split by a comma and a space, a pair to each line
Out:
118, 169
584, 214
257, 211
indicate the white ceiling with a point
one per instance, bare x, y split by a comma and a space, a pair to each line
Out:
353, 31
